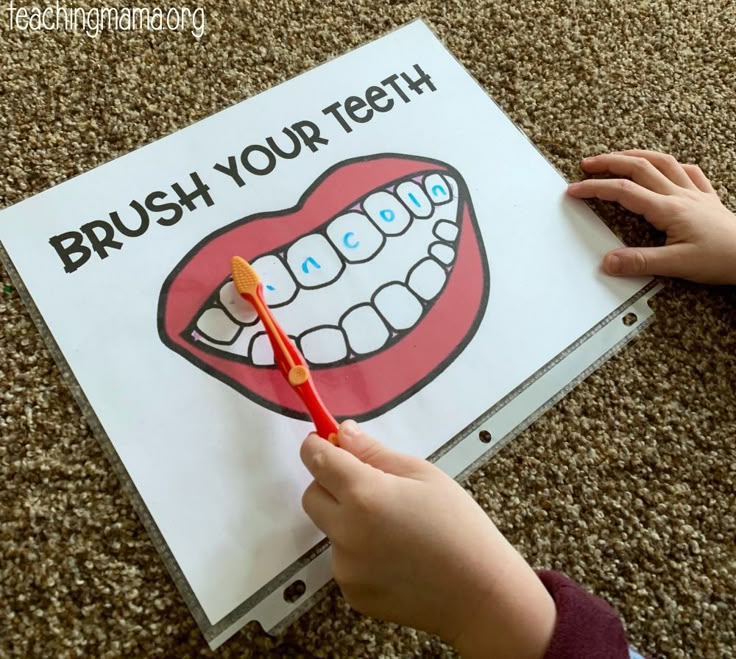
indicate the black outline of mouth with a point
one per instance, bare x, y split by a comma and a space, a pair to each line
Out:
465, 209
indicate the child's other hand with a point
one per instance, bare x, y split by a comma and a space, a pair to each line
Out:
677, 199
410, 545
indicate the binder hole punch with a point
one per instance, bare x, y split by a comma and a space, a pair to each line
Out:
485, 436
629, 319
294, 591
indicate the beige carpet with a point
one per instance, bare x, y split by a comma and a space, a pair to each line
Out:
628, 485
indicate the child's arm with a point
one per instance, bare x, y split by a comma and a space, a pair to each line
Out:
411, 546
677, 199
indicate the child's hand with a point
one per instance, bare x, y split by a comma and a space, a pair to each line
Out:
411, 546
677, 199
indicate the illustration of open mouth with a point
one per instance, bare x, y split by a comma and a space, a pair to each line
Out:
378, 274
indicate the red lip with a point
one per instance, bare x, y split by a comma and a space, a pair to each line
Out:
363, 388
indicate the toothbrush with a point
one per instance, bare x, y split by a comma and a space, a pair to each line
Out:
289, 360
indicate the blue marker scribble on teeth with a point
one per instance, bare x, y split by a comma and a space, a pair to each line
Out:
387, 215
346, 240
441, 192
310, 261
414, 200
270, 288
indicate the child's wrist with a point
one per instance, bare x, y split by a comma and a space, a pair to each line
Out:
515, 619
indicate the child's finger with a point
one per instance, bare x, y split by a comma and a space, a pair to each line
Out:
698, 178
665, 163
321, 507
333, 468
639, 170
627, 193
667, 261
352, 439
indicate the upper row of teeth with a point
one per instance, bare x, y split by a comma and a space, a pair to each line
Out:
317, 259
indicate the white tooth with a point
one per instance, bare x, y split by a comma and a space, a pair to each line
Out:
314, 261
241, 345
323, 345
278, 286
427, 278
446, 231
443, 253
387, 213
365, 330
398, 306
261, 352
236, 307
355, 236
413, 197
215, 325
438, 189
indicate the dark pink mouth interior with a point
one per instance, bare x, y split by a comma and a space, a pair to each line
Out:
366, 387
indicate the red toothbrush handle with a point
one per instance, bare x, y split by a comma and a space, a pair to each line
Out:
293, 367
324, 422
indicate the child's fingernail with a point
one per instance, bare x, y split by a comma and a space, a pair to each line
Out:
614, 264
350, 428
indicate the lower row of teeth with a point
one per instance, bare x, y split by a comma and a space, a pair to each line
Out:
362, 330
367, 327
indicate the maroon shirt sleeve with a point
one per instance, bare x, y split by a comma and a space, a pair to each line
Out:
586, 625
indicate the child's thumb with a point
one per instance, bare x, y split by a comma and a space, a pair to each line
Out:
370, 451
666, 260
